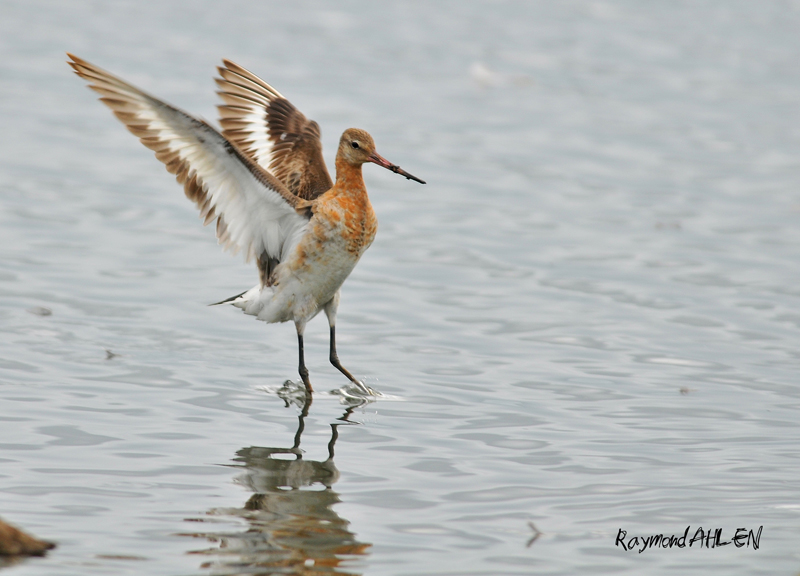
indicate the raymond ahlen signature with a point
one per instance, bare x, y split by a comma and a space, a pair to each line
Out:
711, 538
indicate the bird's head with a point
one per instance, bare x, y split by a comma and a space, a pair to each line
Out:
357, 147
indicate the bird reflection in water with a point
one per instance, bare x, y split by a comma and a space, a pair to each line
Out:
293, 528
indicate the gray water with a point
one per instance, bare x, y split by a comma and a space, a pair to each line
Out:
588, 320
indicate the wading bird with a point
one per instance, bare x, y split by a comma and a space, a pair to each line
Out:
264, 181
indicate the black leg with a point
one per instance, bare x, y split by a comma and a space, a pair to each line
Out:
334, 357
302, 368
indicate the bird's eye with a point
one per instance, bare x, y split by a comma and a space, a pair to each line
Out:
354, 144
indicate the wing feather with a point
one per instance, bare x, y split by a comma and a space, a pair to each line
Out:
271, 131
255, 212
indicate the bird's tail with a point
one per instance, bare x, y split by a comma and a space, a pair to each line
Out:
229, 300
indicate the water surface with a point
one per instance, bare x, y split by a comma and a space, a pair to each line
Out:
586, 321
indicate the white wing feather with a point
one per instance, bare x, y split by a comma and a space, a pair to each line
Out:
272, 131
255, 211
246, 110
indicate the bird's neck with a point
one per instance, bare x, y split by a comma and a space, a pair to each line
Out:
348, 176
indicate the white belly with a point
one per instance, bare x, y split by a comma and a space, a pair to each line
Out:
304, 283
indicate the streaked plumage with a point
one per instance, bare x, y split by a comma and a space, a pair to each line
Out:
264, 181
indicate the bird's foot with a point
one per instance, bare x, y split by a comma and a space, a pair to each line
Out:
293, 393
363, 388
356, 393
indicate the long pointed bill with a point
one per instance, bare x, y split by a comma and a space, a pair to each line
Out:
381, 161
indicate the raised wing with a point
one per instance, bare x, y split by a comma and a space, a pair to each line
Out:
274, 133
255, 212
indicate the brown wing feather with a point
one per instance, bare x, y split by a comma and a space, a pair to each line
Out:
260, 121
255, 212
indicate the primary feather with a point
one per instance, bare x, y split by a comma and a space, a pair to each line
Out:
255, 211
269, 129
